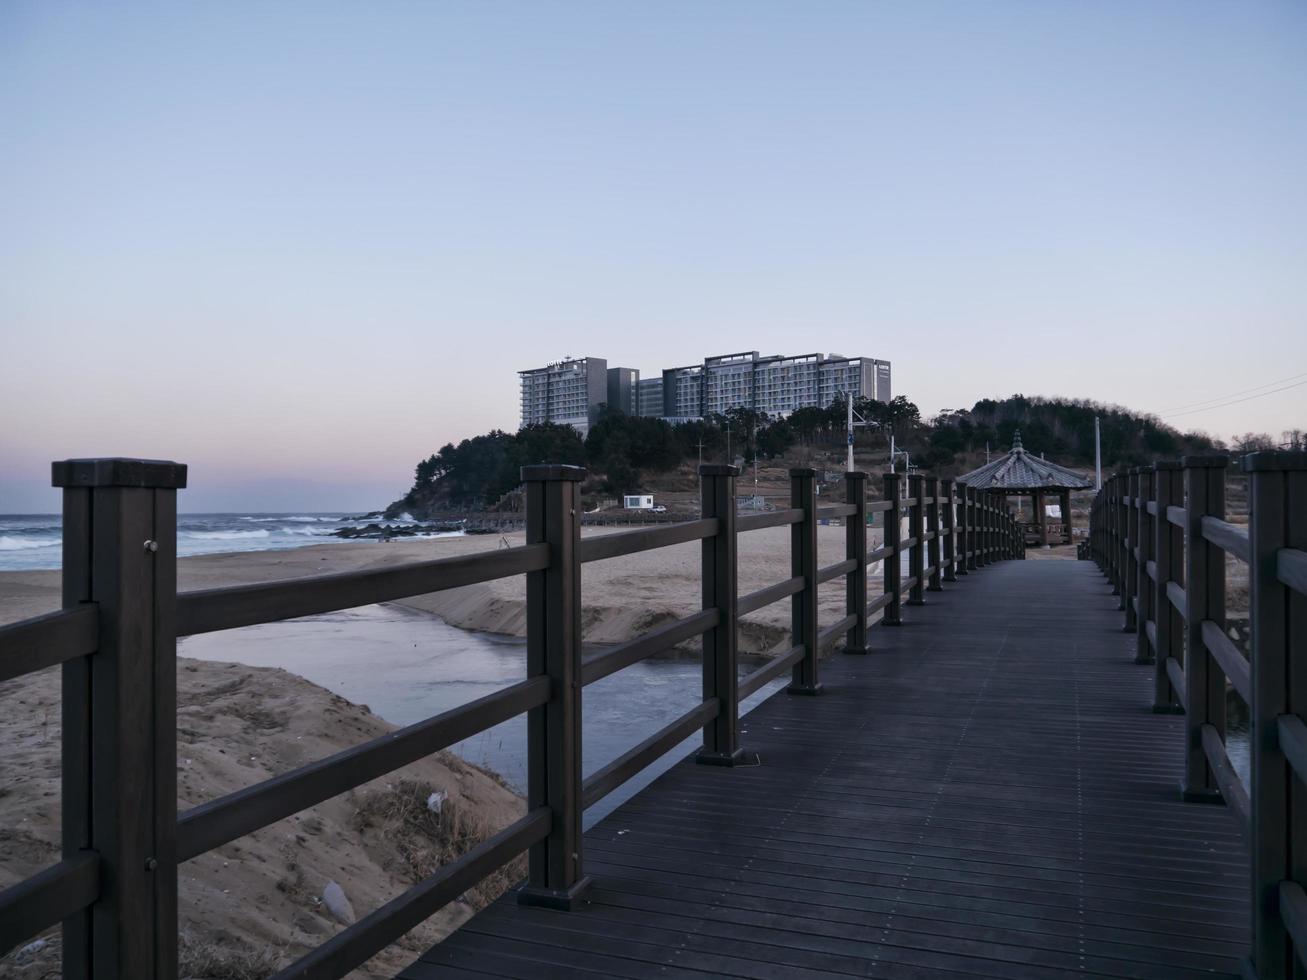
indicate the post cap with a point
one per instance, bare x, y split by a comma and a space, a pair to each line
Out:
1168, 464
116, 471
855, 475
1215, 461
803, 471
718, 469
1273, 459
549, 472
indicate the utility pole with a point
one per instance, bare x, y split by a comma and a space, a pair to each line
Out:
1098, 456
729, 457
855, 419
895, 453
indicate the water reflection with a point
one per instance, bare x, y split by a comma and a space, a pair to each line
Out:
407, 666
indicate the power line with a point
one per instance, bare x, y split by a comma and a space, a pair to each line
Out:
1236, 401
1231, 394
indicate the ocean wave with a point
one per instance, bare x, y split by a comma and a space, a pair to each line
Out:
222, 535
24, 544
295, 519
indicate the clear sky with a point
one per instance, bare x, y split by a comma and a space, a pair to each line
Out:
301, 245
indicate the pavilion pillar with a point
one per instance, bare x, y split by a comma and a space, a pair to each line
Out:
1041, 515
1066, 517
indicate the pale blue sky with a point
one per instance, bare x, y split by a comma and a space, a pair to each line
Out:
301, 245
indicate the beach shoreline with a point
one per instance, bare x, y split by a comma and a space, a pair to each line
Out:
621, 598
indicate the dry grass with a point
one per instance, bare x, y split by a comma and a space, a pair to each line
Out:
426, 839
225, 958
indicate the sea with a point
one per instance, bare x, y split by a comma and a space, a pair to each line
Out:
31, 541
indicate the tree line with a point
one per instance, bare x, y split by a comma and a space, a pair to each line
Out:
620, 448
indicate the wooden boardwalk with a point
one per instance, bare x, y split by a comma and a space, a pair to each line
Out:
987, 794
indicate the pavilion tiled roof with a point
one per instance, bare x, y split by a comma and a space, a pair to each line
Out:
1018, 470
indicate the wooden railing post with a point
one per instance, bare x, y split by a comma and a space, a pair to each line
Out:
553, 649
1122, 540
950, 527
933, 526
1204, 578
892, 569
120, 714
916, 530
1277, 499
855, 549
803, 564
960, 562
721, 736
1168, 546
973, 529
1145, 593
1130, 594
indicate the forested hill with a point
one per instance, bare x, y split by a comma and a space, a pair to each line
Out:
622, 451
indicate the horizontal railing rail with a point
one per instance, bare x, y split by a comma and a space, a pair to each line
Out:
248, 605
117, 883
46, 641
1170, 575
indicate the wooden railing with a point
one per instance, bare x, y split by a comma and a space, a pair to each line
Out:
115, 891
1161, 536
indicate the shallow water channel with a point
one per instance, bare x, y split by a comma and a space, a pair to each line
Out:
407, 666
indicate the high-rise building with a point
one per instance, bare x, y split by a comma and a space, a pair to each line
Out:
569, 392
650, 403
683, 392
624, 390
574, 390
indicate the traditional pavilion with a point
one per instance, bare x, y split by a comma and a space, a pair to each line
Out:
1021, 474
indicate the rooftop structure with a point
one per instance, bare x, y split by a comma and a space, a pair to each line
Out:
1020, 473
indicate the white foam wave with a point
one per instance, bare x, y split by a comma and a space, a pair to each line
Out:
295, 519
222, 535
25, 544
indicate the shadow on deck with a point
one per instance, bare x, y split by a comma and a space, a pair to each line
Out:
986, 794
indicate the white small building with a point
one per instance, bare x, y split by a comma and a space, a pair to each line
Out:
638, 501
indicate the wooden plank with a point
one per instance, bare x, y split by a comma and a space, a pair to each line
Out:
880, 554
1293, 911
1175, 673
765, 597
1232, 662
836, 570
880, 602
219, 821
44, 641
1177, 516
776, 518
246, 605
757, 679
1035, 833
45, 899
1293, 743
356, 944
1230, 538
646, 645
835, 510
879, 506
1227, 778
1175, 593
635, 760
1291, 569
832, 632
605, 546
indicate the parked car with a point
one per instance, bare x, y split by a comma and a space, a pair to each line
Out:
658, 509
